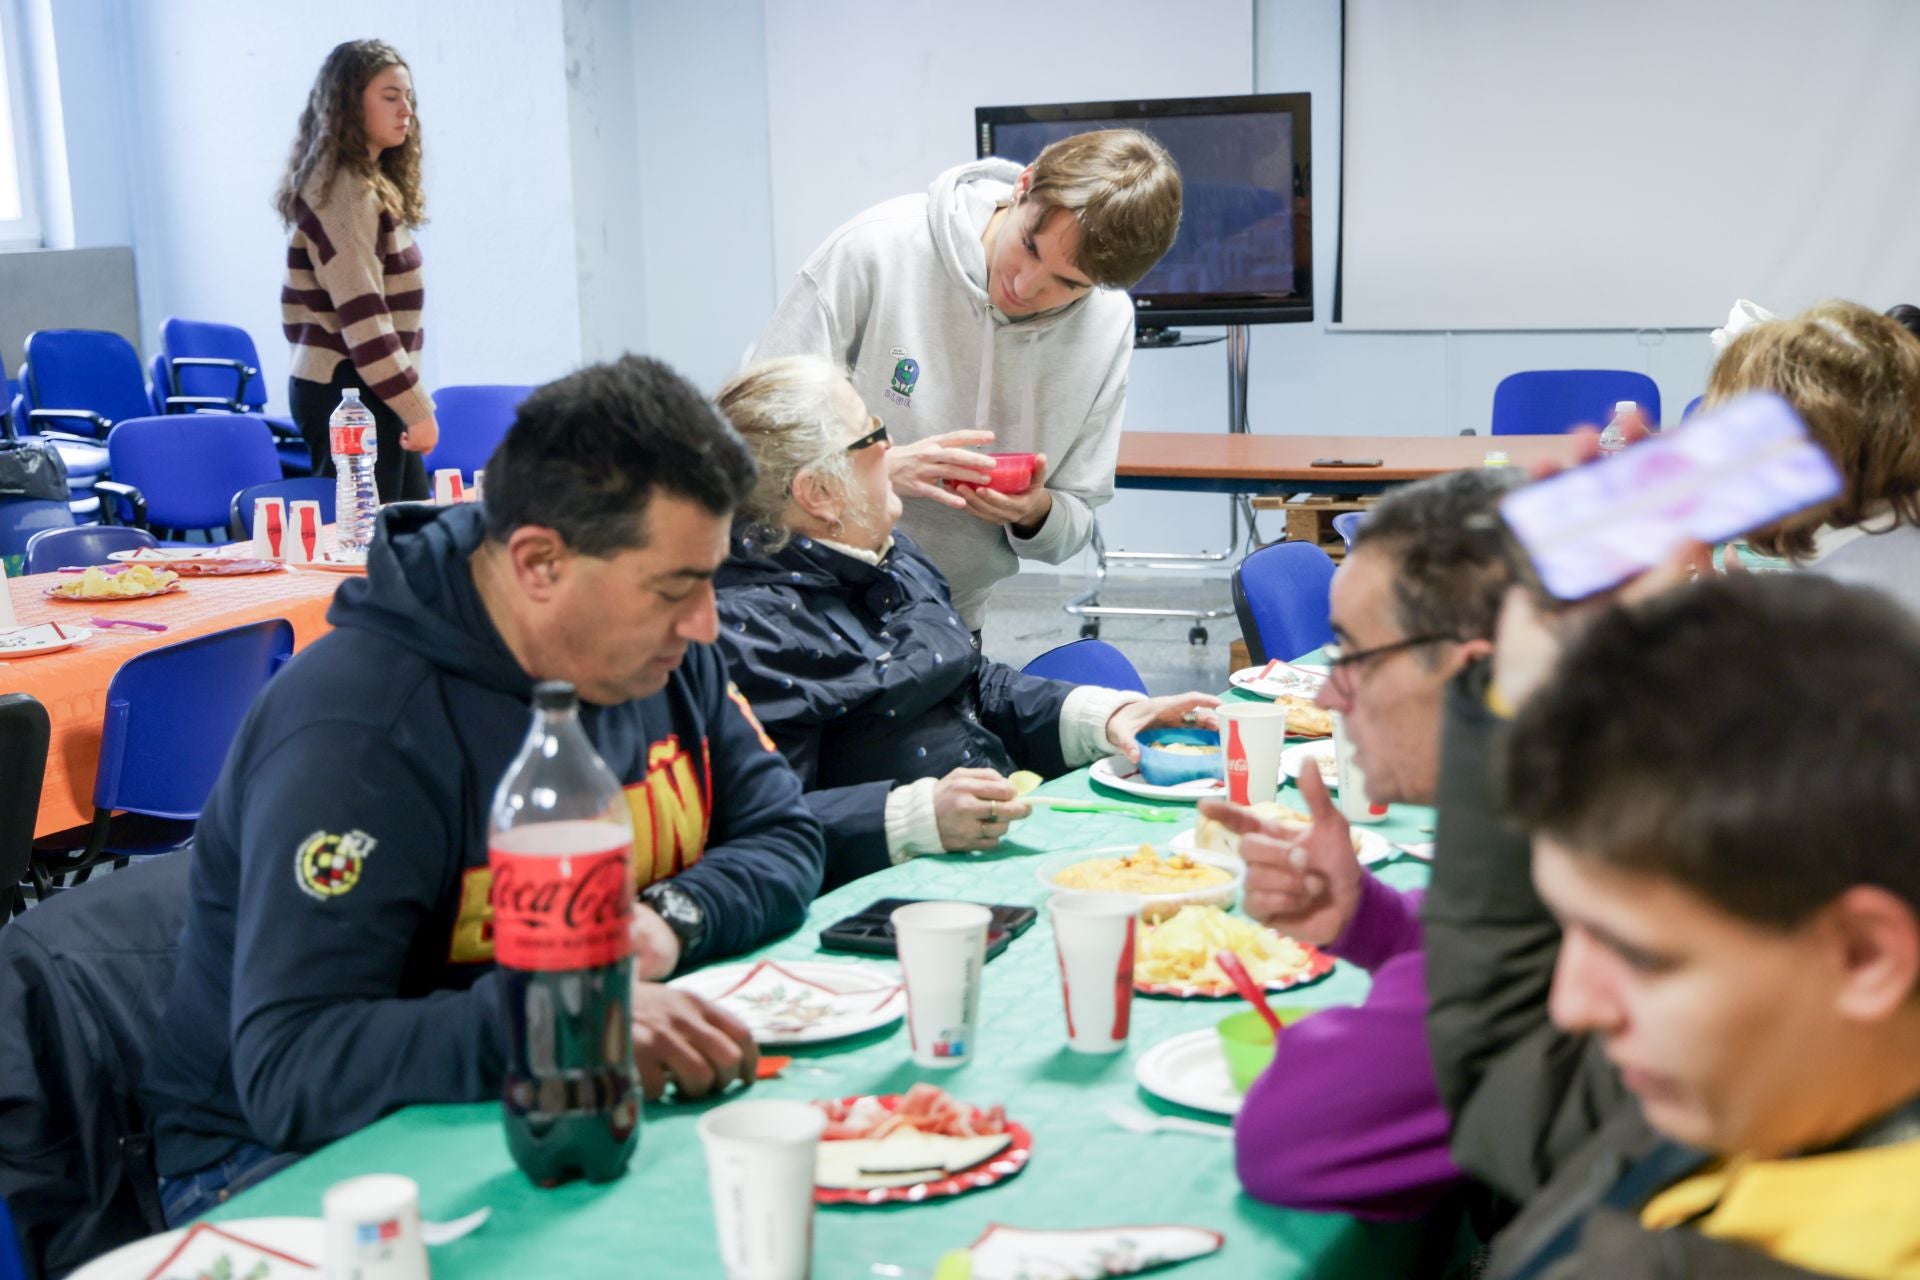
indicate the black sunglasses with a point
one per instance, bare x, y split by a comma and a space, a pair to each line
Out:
876, 436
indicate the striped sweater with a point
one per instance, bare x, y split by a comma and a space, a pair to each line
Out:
353, 291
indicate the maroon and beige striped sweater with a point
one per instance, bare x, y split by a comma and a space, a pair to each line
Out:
353, 291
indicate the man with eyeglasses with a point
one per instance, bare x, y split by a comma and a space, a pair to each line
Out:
1353, 1123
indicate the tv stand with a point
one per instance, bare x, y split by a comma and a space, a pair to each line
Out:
1148, 338
1087, 607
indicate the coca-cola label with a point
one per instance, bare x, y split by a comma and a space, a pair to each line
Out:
352, 439
567, 912
1236, 765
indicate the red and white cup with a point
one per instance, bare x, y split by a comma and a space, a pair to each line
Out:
942, 948
306, 534
1252, 735
1093, 935
371, 1227
269, 528
448, 487
1352, 795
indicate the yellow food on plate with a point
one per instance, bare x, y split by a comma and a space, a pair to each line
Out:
1306, 718
1141, 872
1179, 951
136, 580
1211, 836
1188, 748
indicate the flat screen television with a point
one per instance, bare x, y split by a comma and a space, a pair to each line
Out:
1245, 250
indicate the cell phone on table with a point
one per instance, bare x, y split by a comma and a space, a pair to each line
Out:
1345, 462
869, 931
1730, 470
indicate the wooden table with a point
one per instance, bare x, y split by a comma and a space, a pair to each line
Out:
72, 684
1251, 464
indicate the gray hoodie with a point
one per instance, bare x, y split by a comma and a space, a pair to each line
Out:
899, 295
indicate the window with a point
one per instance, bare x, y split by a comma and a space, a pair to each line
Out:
19, 210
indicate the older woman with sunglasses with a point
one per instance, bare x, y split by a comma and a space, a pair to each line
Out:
843, 637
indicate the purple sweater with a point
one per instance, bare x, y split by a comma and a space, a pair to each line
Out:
1348, 1119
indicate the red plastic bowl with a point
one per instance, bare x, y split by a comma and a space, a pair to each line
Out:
1012, 473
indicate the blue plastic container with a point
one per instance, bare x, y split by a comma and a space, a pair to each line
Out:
1165, 768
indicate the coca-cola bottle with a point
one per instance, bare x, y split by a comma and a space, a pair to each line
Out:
561, 850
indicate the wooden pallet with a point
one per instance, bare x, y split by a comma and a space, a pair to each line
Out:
1310, 519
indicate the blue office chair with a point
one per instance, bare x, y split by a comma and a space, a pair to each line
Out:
12, 1265
22, 518
172, 714
202, 358
296, 489
1347, 523
473, 420
75, 384
53, 549
24, 734
186, 469
1693, 407
1546, 402
1088, 662
1280, 596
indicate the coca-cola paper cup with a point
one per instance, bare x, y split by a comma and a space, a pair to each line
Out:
1352, 795
269, 528
1093, 933
760, 1169
943, 948
448, 488
306, 534
372, 1227
1252, 735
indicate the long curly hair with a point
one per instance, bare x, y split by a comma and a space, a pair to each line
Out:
332, 137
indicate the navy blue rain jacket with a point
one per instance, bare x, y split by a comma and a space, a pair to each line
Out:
866, 677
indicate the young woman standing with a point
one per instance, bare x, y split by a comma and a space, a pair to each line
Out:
351, 304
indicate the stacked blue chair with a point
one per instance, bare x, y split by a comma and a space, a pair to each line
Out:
51, 550
185, 470
172, 713
21, 519
199, 358
1545, 402
1088, 662
1280, 595
1347, 523
294, 489
472, 421
1693, 407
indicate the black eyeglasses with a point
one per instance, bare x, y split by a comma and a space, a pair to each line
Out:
1338, 658
876, 436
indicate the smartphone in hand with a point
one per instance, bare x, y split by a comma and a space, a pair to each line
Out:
1728, 471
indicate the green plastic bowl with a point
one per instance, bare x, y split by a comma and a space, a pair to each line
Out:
1247, 1042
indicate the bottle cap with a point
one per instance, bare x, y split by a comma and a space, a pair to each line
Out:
553, 695
1624, 406
1496, 458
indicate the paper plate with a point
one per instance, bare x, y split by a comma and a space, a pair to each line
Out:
281, 1244
54, 594
997, 1168
330, 565
802, 1001
1190, 1071
1370, 846
1293, 761
1280, 678
47, 637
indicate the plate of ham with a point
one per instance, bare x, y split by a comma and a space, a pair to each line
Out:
920, 1145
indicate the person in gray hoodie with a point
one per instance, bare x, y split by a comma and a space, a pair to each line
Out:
992, 309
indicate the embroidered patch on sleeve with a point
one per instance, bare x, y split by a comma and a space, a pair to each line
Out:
328, 865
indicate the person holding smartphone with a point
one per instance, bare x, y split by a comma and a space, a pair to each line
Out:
351, 305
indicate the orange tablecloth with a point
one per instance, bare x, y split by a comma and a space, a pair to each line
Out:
72, 684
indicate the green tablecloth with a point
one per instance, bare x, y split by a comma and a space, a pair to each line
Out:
1084, 1172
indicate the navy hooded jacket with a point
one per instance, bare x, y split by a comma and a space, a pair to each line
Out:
866, 677
337, 960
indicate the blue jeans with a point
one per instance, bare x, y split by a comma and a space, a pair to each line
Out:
191, 1194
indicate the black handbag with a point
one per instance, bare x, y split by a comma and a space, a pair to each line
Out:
32, 469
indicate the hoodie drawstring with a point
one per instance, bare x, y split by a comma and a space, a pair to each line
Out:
985, 393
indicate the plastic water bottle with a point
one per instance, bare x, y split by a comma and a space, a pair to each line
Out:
356, 500
1614, 438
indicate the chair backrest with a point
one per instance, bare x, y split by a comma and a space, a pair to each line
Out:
189, 466
86, 544
84, 982
86, 369
21, 518
1280, 596
1088, 662
24, 733
206, 340
472, 421
1693, 407
172, 713
300, 489
1347, 522
1545, 402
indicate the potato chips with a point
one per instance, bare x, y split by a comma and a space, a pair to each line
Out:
134, 580
1179, 951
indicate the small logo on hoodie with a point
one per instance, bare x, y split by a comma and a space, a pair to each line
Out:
906, 372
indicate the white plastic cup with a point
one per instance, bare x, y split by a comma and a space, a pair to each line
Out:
760, 1170
448, 488
476, 492
1093, 935
1352, 793
943, 948
372, 1229
306, 533
1252, 735
269, 528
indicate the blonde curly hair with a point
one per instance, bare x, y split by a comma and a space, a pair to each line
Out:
332, 137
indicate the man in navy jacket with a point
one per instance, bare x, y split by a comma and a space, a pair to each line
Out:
337, 961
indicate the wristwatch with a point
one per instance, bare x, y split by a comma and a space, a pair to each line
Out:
680, 910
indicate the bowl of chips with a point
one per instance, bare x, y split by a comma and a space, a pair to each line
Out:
1175, 956
1163, 883
100, 586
